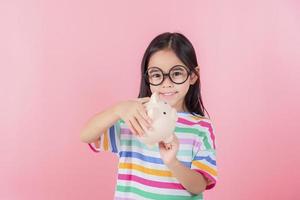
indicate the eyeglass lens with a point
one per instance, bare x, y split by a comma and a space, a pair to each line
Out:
177, 74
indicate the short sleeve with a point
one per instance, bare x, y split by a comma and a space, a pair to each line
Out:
109, 140
204, 160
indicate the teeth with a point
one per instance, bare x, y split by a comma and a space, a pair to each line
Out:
168, 94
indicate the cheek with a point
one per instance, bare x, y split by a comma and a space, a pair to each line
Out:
184, 88
153, 89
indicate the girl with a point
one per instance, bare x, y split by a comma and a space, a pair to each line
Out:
181, 169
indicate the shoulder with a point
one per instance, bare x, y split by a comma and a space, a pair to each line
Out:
194, 120
201, 126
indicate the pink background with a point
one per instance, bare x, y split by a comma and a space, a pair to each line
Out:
63, 61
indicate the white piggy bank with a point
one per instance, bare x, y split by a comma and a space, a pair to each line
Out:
164, 119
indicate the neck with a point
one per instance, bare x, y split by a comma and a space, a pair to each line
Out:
183, 108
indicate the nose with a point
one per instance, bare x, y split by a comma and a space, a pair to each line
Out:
167, 82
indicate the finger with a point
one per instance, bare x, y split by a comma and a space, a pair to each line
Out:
142, 111
130, 127
175, 140
168, 146
133, 131
161, 145
142, 121
144, 100
146, 119
137, 126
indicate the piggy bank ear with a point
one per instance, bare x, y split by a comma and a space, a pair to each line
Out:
154, 98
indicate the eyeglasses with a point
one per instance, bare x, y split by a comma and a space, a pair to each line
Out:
178, 74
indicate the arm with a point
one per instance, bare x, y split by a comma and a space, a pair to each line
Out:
133, 112
95, 126
190, 179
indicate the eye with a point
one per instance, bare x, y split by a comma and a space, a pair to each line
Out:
164, 113
155, 75
177, 73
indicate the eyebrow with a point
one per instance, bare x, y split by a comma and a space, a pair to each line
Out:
178, 69
155, 68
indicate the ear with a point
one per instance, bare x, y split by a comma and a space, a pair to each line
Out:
153, 113
194, 77
154, 98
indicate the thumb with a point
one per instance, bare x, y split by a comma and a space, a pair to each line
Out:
144, 99
161, 145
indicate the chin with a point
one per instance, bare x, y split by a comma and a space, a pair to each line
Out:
172, 103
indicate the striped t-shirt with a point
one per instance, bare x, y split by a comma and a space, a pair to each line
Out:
141, 171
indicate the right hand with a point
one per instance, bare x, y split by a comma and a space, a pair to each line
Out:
134, 113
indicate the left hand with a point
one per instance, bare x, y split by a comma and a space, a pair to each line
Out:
169, 150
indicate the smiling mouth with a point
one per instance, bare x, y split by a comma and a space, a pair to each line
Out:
167, 93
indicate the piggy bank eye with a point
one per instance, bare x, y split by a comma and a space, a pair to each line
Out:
164, 113
165, 102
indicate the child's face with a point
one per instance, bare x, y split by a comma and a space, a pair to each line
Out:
171, 92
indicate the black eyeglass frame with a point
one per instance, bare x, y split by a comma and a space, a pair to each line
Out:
189, 72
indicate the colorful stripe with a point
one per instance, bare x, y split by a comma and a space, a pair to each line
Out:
142, 172
92, 147
157, 184
105, 141
201, 123
205, 168
207, 158
151, 195
113, 139
197, 132
138, 144
149, 159
145, 170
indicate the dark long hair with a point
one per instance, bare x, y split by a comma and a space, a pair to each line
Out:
184, 50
